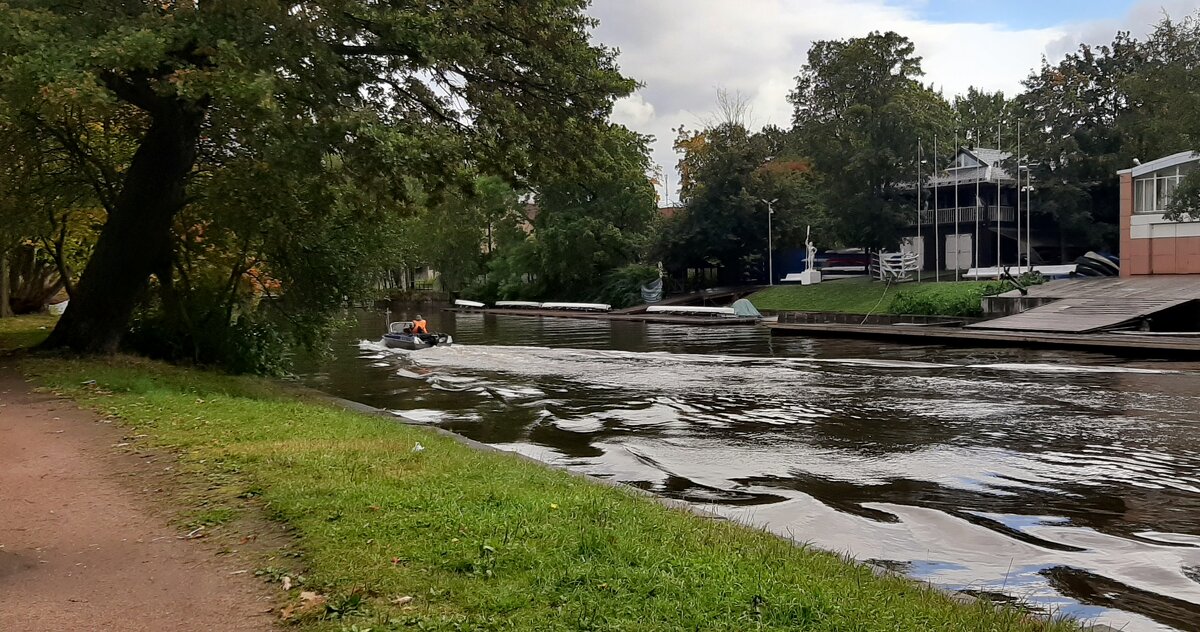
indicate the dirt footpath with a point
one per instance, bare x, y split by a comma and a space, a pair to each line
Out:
82, 544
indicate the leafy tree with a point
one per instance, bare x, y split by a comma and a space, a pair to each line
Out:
457, 237
586, 224
1076, 117
47, 220
978, 114
273, 145
859, 111
728, 173
1166, 98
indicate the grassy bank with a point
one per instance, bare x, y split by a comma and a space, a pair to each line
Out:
25, 331
862, 296
450, 538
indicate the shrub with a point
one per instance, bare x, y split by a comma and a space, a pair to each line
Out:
623, 287
249, 344
946, 299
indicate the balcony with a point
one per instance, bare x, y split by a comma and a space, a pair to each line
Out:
967, 215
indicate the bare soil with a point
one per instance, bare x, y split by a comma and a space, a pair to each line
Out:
85, 537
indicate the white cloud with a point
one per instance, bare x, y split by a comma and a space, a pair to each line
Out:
1139, 21
684, 50
632, 111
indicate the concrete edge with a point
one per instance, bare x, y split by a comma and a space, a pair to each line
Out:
671, 503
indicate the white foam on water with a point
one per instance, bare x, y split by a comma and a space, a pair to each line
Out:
421, 415
1067, 368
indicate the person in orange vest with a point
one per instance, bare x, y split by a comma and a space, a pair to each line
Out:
418, 326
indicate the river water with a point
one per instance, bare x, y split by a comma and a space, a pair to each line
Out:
1070, 481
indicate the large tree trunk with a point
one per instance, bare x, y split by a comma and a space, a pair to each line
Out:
136, 240
5, 307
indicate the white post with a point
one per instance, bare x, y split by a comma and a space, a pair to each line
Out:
998, 124
770, 249
770, 252
1028, 215
1018, 196
920, 190
975, 243
937, 247
957, 248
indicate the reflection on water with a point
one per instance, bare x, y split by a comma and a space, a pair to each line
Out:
1066, 479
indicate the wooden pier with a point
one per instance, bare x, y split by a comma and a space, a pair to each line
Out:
1118, 343
643, 317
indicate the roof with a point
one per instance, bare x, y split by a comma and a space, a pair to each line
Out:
1162, 163
988, 171
988, 156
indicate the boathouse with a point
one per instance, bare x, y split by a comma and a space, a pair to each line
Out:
969, 216
1151, 243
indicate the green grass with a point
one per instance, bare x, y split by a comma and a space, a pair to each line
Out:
25, 331
862, 296
480, 540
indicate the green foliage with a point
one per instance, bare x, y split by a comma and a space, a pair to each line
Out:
979, 114
863, 296
584, 225
300, 140
1076, 115
728, 173
946, 299
623, 287
1170, 85
488, 540
21, 332
248, 344
457, 236
859, 112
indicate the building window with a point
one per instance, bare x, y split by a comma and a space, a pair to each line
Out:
1152, 192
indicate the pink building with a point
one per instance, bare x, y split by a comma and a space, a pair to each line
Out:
1151, 243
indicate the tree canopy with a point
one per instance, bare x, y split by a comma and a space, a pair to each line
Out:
244, 150
859, 112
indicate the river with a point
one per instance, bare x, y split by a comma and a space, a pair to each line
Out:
1067, 480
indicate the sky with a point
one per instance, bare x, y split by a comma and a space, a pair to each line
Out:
684, 51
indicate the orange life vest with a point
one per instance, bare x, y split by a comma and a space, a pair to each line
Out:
419, 327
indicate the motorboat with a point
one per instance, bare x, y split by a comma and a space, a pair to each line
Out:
400, 336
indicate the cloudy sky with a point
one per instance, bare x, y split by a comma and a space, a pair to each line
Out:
685, 50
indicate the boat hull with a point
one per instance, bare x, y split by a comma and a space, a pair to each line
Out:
414, 342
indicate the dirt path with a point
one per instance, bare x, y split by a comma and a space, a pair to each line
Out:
82, 546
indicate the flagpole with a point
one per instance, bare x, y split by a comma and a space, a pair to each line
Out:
957, 235
978, 208
1019, 196
998, 124
937, 247
920, 191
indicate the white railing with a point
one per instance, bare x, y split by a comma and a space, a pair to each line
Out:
968, 214
894, 266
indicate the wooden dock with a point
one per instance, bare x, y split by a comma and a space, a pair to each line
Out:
1080, 306
671, 319
1115, 343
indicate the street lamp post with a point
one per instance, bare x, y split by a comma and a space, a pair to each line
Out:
770, 251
